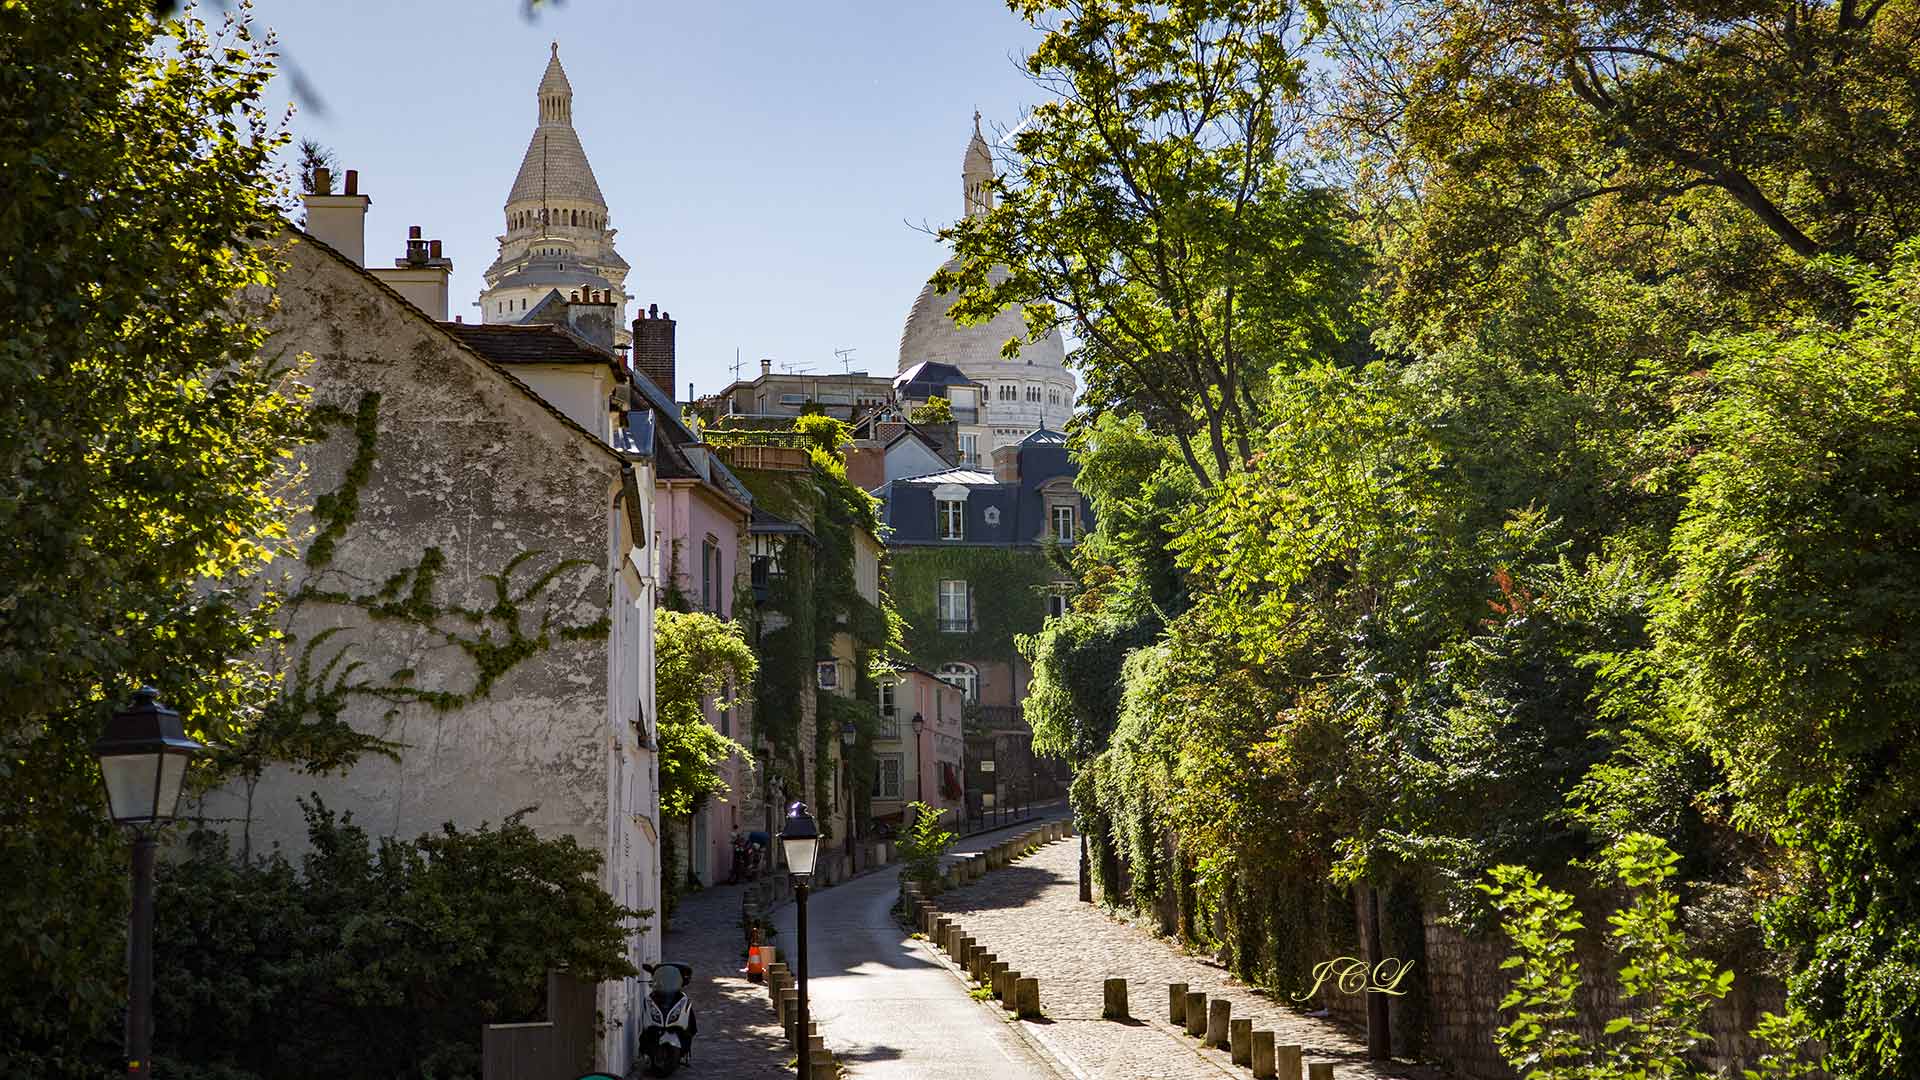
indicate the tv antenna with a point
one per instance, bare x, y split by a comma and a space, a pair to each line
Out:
736, 363
845, 356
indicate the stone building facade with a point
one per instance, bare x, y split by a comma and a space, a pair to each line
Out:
559, 234
468, 475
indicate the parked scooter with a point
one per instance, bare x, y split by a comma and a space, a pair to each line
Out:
666, 1039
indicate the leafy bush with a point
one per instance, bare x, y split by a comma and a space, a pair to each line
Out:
372, 959
923, 844
1667, 991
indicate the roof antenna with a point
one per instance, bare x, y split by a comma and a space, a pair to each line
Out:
846, 359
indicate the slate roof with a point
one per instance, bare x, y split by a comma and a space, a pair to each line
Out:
921, 380
530, 343
1019, 515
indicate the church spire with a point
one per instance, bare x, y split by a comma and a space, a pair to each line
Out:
556, 93
976, 172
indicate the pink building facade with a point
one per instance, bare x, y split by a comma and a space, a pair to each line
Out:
701, 515
923, 762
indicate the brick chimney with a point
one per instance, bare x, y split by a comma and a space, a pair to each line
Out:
653, 347
421, 275
340, 221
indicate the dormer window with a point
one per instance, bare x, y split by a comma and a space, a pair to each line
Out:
952, 515
1066, 522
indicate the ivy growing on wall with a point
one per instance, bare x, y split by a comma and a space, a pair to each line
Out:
324, 677
814, 597
1007, 589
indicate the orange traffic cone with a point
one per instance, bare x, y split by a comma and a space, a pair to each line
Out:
756, 968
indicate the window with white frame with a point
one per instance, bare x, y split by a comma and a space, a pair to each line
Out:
1056, 605
1066, 520
886, 781
952, 515
827, 674
963, 676
955, 607
710, 574
889, 717
970, 449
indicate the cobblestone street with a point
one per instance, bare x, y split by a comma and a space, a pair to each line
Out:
1029, 915
738, 1037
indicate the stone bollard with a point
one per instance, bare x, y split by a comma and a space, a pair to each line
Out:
1219, 1012
1196, 1013
1115, 1005
822, 1062
983, 962
1320, 1070
789, 1007
939, 933
1176, 1003
1240, 1041
1262, 1063
996, 972
1286, 1060
1008, 985
1026, 996
961, 944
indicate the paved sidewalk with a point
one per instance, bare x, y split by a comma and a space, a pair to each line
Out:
1029, 914
738, 1038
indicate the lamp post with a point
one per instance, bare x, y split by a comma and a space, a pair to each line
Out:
919, 763
849, 735
801, 841
143, 759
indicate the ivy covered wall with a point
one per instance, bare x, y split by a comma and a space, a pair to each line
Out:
1008, 590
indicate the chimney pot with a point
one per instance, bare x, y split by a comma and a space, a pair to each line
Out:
413, 232
435, 246
353, 181
322, 179
653, 310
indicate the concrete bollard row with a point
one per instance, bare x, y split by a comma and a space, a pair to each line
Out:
1286, 1060
1262, 1052
1240, 1041
1177, 1003
1196, 1013
1113, 1005
1004, 989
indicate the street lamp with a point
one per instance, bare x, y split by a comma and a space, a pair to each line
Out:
919, 785
850, 734
143, 759
801, 842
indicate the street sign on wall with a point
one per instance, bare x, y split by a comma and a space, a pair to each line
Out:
986, 766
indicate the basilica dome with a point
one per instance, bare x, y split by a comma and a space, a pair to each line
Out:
931, 334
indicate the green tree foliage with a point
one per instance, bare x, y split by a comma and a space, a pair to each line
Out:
371, 959
1149, 205
1665, 991
1606, 534
1785, 638
934, 410
143, 454
923, 843
697, 659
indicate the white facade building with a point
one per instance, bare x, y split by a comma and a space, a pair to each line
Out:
1033, 390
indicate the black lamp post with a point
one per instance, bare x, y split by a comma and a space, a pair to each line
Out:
143, 759
919, 763
801, 841
850, 734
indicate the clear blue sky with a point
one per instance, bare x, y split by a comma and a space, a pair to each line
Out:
765, 163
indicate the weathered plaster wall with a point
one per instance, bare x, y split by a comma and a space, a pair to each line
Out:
470, 465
